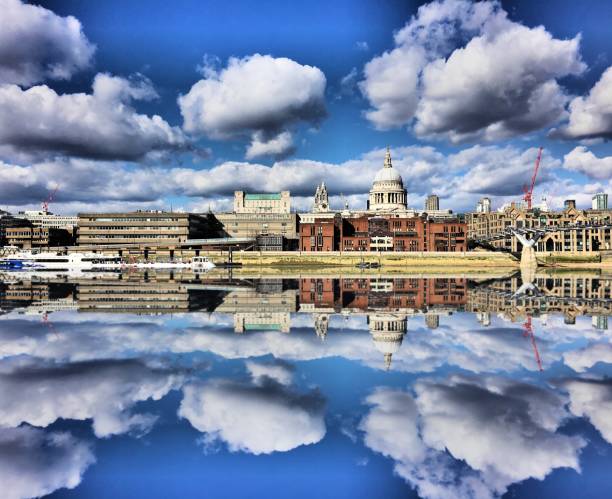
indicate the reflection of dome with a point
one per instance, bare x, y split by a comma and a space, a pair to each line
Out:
388, 332
387, 193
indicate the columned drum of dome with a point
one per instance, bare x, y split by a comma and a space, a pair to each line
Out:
387, 193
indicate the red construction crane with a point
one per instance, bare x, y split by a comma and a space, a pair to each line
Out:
45, 204
529, 189
528, 328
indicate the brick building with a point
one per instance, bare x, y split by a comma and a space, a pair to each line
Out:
381, 233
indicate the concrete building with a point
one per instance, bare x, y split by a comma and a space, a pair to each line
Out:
600, 201
432, 203
39, 218
7, 221
277, 202
143, 227
38, 237
262, 215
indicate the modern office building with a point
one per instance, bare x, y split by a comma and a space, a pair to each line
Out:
45, 219
143, 227
600, 201
29, 237
484, 205
432, 203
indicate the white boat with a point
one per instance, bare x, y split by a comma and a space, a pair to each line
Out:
28, 260
201, 263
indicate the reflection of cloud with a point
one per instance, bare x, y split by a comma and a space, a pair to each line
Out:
34, 463
259, 417
280, 372
502, 431
592, 399
104, 391
582, 360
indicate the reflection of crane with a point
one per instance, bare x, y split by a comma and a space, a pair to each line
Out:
529, 333
529, 189
48, 323
45, 204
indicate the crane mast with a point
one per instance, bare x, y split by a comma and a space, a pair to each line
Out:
45, 203
529, 189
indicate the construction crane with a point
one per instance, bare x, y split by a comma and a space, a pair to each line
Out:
45, 204
528, 333
527, 197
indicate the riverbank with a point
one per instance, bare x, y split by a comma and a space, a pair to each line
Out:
418, 261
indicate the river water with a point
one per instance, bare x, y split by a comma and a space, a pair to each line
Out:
165, 385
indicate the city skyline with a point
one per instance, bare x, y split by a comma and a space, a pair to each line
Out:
129, 108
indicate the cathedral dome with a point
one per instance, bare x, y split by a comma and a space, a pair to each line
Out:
388, 175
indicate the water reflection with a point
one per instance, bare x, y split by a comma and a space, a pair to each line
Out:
458, 386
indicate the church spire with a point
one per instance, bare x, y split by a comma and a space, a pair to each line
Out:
388, 159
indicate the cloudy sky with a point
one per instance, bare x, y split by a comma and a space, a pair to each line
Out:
153, 105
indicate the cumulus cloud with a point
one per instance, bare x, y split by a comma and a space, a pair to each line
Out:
100, 125
257, 96
34, 463
464, 71
592, 398
590, 117
259, 417
470, 437
36, 44
581, 160
104, 391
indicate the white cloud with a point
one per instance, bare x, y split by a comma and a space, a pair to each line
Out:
279, 372
258, 96
100, 125
258, 417
503, 431
581, 160
104, 391
591, 116
35, 463
463, 71
582, 360
592, 398
36, 44
277, 146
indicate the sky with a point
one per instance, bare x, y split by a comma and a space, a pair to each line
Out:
156, 105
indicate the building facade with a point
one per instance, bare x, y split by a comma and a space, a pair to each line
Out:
142, 227
8, 221
600, 201
277, 202
588, 239
38, 237
432, 203
382, 233
39, 218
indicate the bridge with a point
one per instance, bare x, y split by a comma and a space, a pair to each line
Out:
529, 236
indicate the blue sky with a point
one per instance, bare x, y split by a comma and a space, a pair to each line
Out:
283, 95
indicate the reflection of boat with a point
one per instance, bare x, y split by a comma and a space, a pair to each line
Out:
28, 260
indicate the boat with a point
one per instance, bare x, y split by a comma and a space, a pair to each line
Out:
201, 263
47, 260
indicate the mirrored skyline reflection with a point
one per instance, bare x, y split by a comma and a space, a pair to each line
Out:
181, 385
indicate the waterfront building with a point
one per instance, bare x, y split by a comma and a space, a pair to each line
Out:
257, 215
148, 228
432, 203
588, 239
600, 201
29, 237
7, 221
45, 219
382, 233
